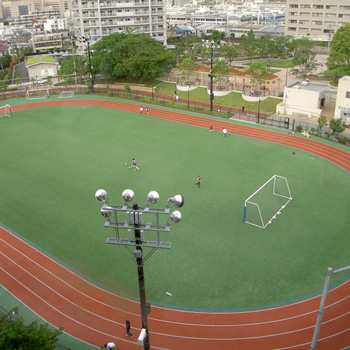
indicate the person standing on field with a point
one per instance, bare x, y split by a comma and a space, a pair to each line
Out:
198, 183
224, 132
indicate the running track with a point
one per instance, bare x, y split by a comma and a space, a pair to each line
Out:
95, 316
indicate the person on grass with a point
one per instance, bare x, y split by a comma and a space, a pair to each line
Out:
134, 165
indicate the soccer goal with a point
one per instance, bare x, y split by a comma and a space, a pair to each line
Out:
66, 94
37, 94
5, 111
267, 202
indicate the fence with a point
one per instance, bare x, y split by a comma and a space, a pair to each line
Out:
150, 97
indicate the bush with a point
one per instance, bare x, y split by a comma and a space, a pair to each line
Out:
299, 128
343, 140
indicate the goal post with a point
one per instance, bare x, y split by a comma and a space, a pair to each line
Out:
267, 202
66, 94
5, 111
37, 94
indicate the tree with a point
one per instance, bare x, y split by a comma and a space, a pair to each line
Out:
339, 56
338, 126
282, 47
76, 64
249, 44
217, 35
221, 71
6, 60
187, 67
266, 46
322, 121
230, 52
304, 58
15, 334
131, 56
259, 72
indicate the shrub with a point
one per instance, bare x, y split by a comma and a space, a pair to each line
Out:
127, 88
343, 140
299, 128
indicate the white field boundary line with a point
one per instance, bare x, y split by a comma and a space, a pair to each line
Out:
117, 309
38, 314
167, 335
61, 280
122, 324
58, 311
120, 310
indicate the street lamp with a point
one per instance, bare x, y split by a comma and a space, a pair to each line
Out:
130, 233
87, 41
211, 75
258, 111
188, 97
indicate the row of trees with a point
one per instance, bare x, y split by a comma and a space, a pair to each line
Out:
139, 57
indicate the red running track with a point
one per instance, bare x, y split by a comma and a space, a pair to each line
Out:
95, 316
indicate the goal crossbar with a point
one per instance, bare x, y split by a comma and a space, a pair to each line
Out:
37, 94
66, 94
262, 222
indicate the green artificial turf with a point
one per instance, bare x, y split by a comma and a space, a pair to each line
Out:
54, 159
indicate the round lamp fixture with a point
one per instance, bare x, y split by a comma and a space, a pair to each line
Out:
153, 197
128, 195
178, 200
175, 217
101, 195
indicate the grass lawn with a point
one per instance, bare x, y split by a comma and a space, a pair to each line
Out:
56, 158
233, 99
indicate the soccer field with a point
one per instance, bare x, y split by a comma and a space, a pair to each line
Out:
54, 159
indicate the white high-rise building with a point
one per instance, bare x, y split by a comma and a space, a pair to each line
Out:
316, 19
97, 18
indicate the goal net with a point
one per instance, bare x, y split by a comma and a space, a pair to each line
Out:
267, 202
37, 94
5, 111
66, 94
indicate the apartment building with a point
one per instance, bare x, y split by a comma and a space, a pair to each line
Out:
47, 42
35, 18
17, 8
316, 19
94, 19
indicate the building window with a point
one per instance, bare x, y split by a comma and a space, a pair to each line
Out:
318, 6
347, 95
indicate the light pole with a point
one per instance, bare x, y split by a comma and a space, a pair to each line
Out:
211, 76
188, 97
90, 66
130, 233
259, 110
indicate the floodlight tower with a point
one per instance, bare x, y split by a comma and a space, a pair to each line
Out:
134, 228
212, 45
87, 41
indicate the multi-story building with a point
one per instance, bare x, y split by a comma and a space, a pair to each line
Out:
16, 8
35, 18
94, 19
316, 19
47, 42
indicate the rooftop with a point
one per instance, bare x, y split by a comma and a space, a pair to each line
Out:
309, 86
